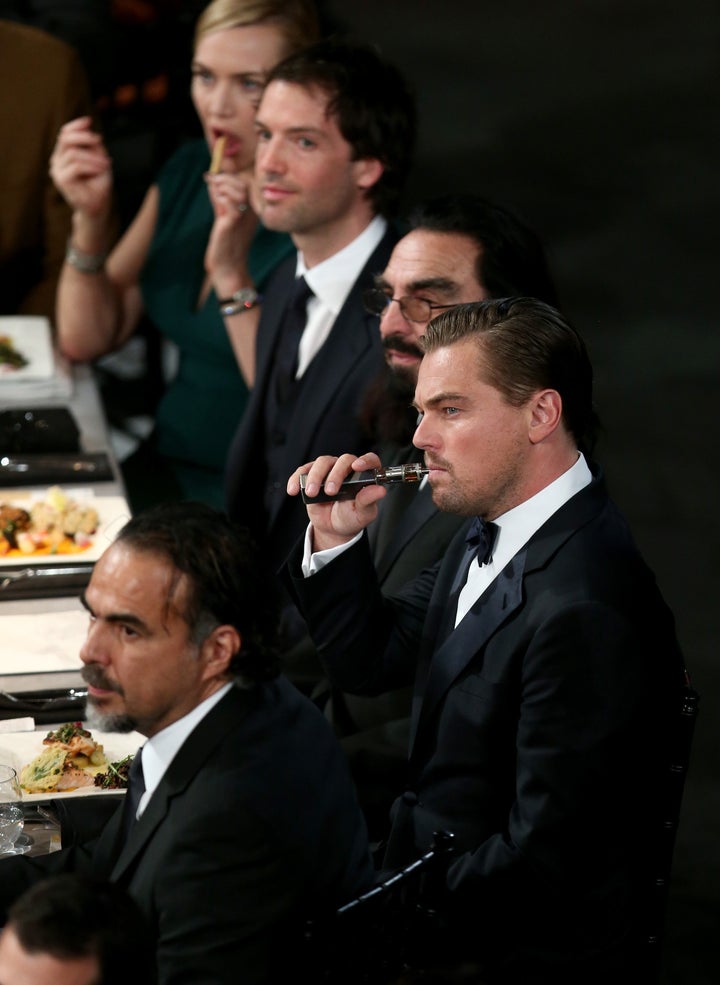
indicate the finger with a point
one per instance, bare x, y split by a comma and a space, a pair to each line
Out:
345, 466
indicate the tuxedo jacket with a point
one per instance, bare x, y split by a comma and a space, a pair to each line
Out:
538, 729
253, 827
408, 535
325, 420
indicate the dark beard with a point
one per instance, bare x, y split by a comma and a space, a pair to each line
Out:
387, 412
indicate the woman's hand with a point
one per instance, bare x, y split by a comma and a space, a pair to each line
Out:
232, 232
81, 169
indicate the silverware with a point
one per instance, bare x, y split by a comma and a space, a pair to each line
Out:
71, 695
25, 574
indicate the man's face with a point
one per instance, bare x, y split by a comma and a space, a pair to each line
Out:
440, 268
307, 183
142, 669
20, 967
475, 443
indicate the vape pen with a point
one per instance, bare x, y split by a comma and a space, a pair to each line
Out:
389, 476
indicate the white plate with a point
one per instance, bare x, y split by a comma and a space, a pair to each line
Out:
113, 513
31, 337
17, 749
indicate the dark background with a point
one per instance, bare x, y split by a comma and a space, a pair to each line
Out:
597, 121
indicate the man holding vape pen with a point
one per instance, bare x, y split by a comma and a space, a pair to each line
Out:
460, 247
544, 659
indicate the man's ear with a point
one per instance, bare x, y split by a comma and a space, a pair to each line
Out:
368, 171
545, 415
218, 649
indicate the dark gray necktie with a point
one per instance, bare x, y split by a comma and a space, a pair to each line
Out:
293, 326
481, 539
135, 790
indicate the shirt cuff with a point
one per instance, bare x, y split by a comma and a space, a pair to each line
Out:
313, 562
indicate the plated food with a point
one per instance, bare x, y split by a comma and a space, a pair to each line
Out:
56, 525
72, 758
11, 359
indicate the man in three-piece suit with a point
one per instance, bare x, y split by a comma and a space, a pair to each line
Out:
242, 820
336, 129
460, 248
544, 658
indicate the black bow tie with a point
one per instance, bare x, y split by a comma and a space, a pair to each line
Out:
481, 539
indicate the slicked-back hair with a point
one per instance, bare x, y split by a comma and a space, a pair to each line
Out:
227, 581
371, 102
511, 261
69, 916
525, 345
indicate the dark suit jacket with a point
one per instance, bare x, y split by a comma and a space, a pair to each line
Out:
326, 420
538, 730
254, 825
409, 534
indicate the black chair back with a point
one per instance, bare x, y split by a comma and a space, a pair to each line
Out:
666, 827
377, 937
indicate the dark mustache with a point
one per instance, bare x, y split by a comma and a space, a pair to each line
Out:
400, 344
94, 675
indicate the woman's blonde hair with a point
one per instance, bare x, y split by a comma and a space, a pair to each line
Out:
296, 19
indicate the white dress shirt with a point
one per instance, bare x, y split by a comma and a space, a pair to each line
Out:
516, 527
159, 752
331, 282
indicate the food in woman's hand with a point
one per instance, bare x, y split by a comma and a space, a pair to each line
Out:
56, 525
217, 154
71, 759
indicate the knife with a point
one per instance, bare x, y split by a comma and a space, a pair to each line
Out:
44, 577
19, 469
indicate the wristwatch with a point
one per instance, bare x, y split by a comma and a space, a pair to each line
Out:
242, 300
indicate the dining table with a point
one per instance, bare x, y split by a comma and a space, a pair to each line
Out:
42, 621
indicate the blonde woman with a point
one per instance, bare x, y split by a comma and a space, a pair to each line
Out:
194, 259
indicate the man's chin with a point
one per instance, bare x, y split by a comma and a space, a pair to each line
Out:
108, 722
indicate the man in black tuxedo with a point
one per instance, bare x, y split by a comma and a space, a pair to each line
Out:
460, 248
544, 658
336, 130
243, 819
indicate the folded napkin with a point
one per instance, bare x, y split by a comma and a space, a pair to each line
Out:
17, 725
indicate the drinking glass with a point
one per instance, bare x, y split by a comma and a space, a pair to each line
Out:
11, 814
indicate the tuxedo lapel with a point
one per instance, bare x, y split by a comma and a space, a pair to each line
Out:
495, 605
466, 640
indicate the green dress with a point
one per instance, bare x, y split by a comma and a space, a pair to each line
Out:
199, 412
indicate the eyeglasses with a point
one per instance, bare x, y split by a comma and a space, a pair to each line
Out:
377, 302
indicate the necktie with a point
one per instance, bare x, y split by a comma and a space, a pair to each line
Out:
289, 341
481, 539
135, 790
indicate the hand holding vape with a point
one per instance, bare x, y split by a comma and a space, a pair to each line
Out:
391, 475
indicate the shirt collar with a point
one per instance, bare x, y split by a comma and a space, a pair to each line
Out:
159, 752
329, 280
517, 526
